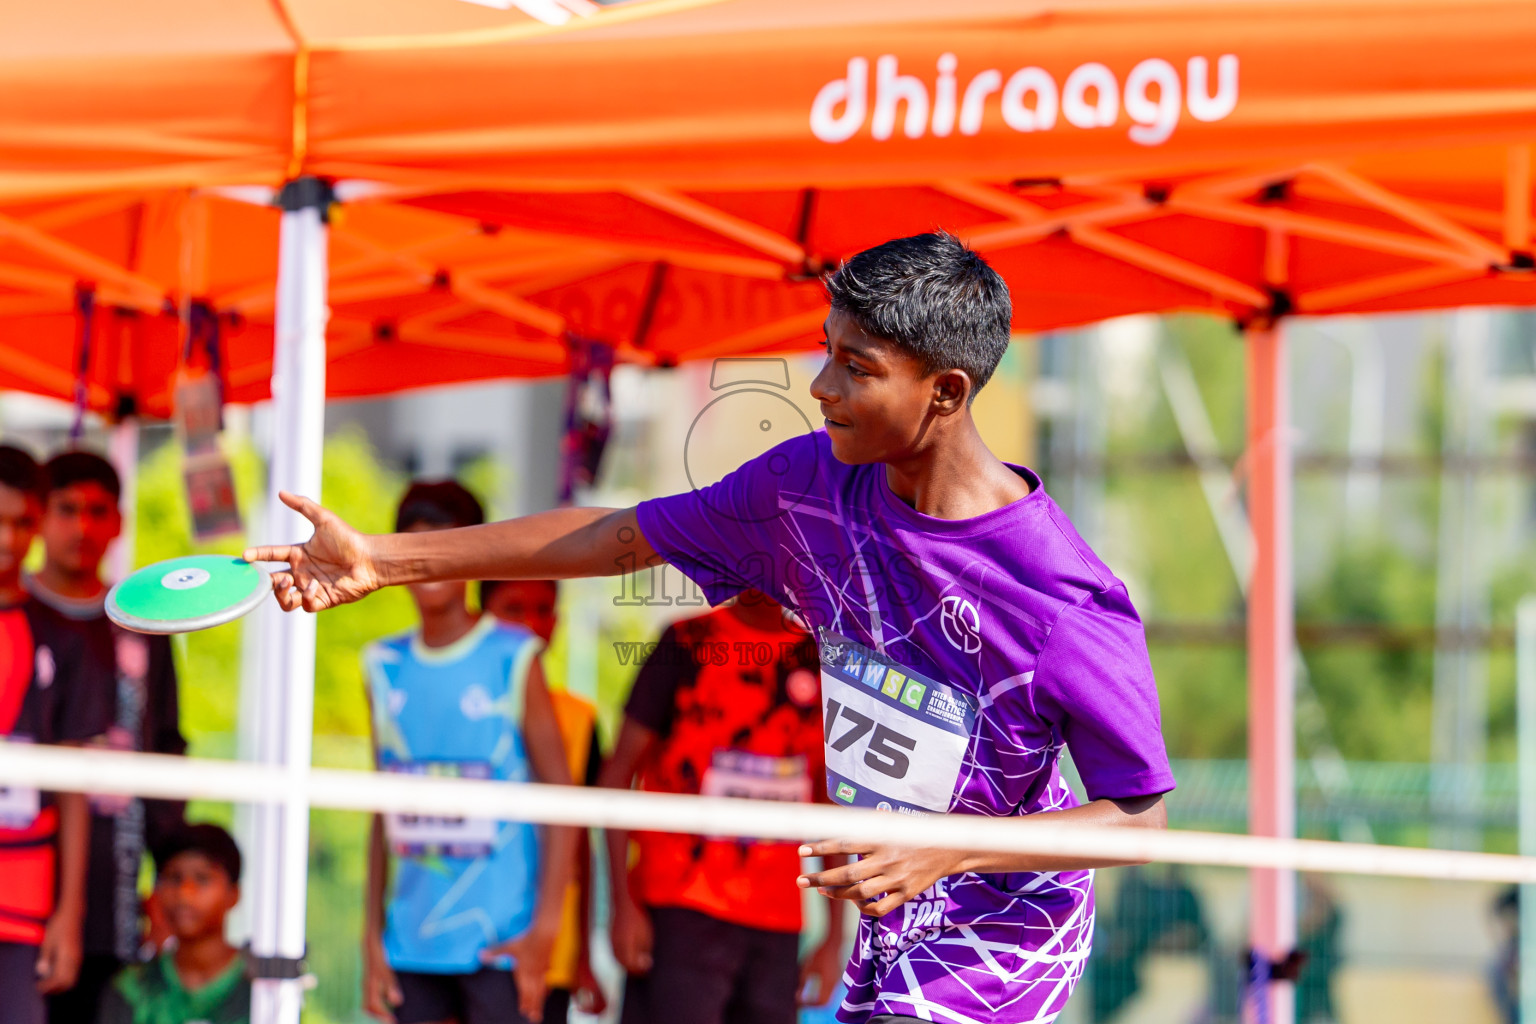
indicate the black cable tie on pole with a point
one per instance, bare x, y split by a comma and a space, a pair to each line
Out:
1280, 304
1261, 971
305, 194
653, 290
276, 968
85, 314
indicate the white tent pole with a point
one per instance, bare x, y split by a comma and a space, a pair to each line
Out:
1525, 752
1271, 680
280, 861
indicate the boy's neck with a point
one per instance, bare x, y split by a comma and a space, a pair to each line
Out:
954, 475
200, 960
78, 585
441, 628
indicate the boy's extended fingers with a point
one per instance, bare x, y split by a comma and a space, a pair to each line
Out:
843, 874
864, 891
303, 506
285, 553
288, 599
887, 903
825, 847
313, 598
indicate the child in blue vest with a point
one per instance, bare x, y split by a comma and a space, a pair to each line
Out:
461, 912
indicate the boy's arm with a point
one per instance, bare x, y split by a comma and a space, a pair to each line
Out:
886, 876
588, 993
381, 990
338, 564
630, 931
546, 752
58, 958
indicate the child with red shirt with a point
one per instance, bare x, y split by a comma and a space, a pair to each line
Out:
727, 705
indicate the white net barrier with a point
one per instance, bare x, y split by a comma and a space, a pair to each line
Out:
71, 769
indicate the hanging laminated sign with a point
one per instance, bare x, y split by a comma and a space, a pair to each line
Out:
209, 481
211, 495
198, 409
895, 739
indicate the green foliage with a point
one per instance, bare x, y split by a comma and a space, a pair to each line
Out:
1377, 700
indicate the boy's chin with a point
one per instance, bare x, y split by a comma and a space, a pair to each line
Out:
846, 452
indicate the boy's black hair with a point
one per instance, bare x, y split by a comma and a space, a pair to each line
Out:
438, 503
933, 297
69, 468
489, 587
207, 839
20, 471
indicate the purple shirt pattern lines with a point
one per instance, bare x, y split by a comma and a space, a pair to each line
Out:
1011, 608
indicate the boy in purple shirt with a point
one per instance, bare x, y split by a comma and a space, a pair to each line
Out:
967, 633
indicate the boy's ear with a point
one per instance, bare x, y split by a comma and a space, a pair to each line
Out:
951, 391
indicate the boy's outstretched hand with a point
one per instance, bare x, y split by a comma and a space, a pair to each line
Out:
334, 567
883, 877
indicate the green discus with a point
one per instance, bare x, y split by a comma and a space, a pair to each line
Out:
182, 595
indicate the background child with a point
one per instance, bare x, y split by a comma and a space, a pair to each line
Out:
202, 979
43, 838
534, 604
709, 929
137, 676
462, 695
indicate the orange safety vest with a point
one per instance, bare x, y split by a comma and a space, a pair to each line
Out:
575, 717
27, 857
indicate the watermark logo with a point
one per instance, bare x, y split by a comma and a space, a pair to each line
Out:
750, 417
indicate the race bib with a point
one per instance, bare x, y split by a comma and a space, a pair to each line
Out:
756, 777
19, 806
895, 739
737, 773
425, 835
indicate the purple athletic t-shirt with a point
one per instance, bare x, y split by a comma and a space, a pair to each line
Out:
959, 656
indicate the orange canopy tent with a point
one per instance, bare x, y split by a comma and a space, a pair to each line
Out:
699, 162
670, 176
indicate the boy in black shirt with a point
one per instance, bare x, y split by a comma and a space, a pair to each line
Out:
133, 674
